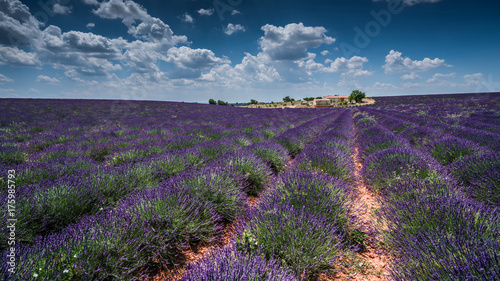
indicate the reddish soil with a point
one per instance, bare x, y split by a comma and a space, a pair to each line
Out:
372, 263
252, 200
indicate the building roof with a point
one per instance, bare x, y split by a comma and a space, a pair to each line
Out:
336, 97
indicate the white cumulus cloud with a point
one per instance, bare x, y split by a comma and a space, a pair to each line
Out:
61, 9
187, 18
91, 2
150, 28
119, 9
88, 53
258, 68
476, 79
395, 62
292, 41
143, 56
438, 76
17, 57
5, 79
347, 67
232, 28
17, 25
156, 30
54, 43
47, 79
351, 67
185, 57
381, 85
411, 76
206, 12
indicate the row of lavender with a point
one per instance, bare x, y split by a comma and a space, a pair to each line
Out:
433, 230
65, 187
471, 112
470, 154
474, 117
144, 228
483, 108
482, 137
45, 130
303, 224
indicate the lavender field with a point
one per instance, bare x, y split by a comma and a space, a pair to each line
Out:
93, 190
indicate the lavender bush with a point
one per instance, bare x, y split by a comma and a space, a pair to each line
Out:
326, 196
480, 173
51, 207
448, 149
221, 186
389, 166
253, 169
272, 153
300, 239
326, 160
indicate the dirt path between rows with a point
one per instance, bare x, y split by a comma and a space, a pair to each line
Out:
372, 263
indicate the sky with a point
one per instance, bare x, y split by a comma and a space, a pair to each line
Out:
237, 50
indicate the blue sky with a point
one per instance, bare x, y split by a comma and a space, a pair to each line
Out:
237, 50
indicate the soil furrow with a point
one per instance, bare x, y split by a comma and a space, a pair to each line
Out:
371, 263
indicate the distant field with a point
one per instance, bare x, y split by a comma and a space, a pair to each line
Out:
140, 190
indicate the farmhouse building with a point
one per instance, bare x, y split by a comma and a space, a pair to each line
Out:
322, 103
328, 101
337, 98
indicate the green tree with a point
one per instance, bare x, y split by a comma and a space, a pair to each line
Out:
219, 102
252, 101
357, 96
309, 99
318, 98
287, 99
212, 101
